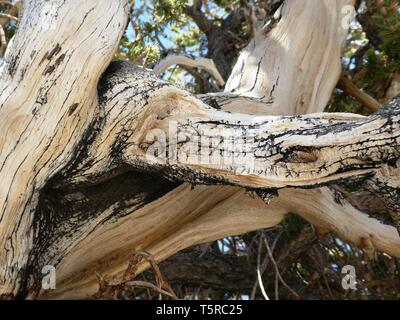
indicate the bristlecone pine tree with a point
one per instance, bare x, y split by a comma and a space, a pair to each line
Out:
90, 172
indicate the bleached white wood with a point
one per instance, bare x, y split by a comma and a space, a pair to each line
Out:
61, 145
48, 100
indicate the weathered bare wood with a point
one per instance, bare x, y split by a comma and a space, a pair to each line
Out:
296, 65
80, 191
183, 60
258, 152
48, 101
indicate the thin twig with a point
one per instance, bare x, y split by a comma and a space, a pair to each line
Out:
263, 267
277, 269
150, 286
259, 274
184, 60
251, 19
276, 286
276, 241
8, 16
318, 252
351, 89
111, 287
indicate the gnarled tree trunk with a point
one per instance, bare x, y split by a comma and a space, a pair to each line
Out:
90, 171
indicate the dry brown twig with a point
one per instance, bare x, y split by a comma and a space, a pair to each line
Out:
263, 266
277, 269
11, 13
6, 15
109, 288
6, 3
349, 87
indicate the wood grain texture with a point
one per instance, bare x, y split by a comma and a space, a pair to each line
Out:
48, 101
80, 192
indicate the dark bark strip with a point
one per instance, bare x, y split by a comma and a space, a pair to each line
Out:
67, 215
